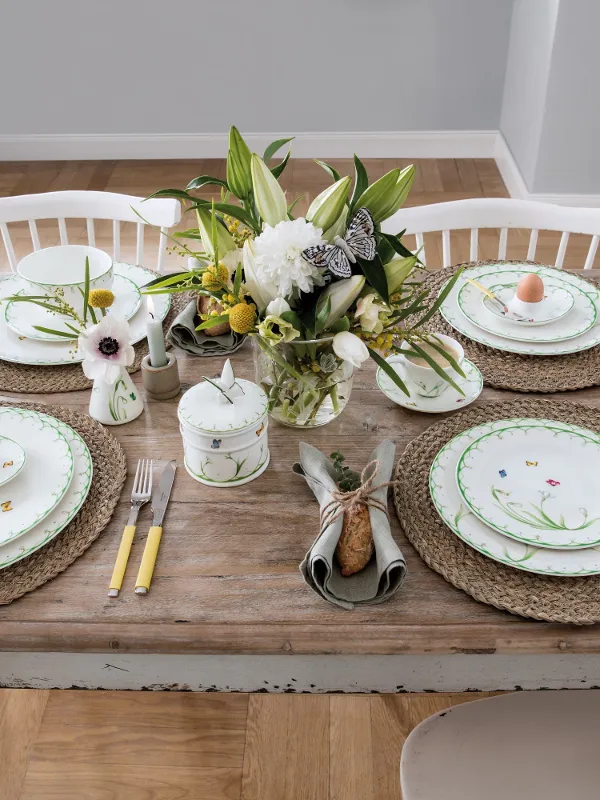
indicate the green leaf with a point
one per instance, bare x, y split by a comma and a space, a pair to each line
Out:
93, 315
434, 366
329, 169
293, 319
212, 321
440, 299
86, 289
54, 332
361, 181
389, 371
177, 194
292, 205
322, 315
206, 180
274, 147
375, 275
342, 324
47, 306
169, 280
72, 328
214, 238
277, 170
385, 251
231, 210
431, 341
413, 307
191, 233
396, 244
237, 281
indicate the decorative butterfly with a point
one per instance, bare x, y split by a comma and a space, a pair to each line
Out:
216, 443
6, 506
502, 473
553, 483
260, 430
358, 241
7, 464
531, 463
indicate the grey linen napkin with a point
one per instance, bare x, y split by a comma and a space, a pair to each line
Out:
183, 333
384, 574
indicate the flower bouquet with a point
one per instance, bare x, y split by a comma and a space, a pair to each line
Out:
319, 294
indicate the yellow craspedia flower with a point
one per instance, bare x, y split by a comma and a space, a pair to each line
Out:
101, 298
214, 277
242, 318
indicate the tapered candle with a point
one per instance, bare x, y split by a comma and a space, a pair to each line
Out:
156, 340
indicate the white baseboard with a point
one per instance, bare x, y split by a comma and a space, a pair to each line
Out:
517, 187
401, 144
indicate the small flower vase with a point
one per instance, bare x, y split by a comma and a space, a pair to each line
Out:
115, 403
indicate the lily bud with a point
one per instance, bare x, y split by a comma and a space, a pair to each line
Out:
403, 187
268, 194
327, 207
242, 156
342, 294
236, 178
261, 293
225, 241
397, 271
378, 197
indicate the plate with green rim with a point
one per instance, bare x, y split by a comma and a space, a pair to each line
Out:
582, 316
557, 302
535, 483
473, 532
456, 319
65, 511
37, 490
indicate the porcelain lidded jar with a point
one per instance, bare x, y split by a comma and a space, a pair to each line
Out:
223, 423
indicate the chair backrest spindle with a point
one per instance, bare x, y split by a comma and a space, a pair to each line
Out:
8, 245
562, 249
91, 234
589, 261
502, 244
533, 239
474, 244
139, 244
35, 239
421, 246
446, 249
116, 239
62, 229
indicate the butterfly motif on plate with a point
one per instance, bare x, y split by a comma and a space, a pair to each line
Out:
338, 257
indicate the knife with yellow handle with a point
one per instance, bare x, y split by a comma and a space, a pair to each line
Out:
160, 499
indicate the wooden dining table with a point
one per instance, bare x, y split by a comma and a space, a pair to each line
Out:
228, 608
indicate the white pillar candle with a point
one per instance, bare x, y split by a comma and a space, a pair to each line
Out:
156, 340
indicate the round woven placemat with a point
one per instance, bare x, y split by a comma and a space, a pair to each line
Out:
567, 600
110, 471
510, 370
70, 378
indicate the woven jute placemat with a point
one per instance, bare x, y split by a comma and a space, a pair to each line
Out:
567, 600
110, 471
70, 378
510, 370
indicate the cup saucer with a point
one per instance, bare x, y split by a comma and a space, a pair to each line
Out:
450, 400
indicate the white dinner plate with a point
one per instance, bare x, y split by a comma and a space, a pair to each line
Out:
37, 490
457, 516
581, 318
558, 300
59, 518
449, 400
20, 350
23, 317
12, 459
453, 315
535, 483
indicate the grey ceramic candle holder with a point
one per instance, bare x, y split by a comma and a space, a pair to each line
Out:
161, 383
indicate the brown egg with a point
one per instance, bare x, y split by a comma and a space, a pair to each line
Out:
530, 289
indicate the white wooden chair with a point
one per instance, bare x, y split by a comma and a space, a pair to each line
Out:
499, 213
523, 746
160, 212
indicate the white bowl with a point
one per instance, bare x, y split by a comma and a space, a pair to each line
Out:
64, 267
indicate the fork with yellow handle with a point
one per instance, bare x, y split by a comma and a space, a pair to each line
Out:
140, 495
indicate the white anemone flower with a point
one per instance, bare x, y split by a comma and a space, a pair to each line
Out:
278, 256
106, 348
367, 310
278, 307
350, 348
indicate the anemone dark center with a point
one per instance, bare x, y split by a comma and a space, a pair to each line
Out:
108, 346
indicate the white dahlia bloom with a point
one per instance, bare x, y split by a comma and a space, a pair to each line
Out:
278, 256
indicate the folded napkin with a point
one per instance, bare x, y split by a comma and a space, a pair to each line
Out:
383, 575
183, 333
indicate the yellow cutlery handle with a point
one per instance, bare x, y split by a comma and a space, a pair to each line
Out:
144, 577
122, 558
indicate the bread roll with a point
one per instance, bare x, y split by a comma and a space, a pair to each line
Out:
355, 546
205, 306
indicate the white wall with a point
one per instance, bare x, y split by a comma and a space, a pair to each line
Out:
143, 66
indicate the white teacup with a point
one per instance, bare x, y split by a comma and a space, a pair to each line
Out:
426, 380
64, 267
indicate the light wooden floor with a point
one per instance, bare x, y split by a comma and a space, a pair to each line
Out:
77, 745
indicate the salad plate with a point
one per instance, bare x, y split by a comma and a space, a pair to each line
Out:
471, 530
21, 350
557, 302
12, 459
581, 318
37, 490
23, 317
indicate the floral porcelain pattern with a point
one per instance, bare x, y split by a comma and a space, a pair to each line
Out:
529, 505
580, 319
199, 408
452, 314
469, 528
64, 512
20, 350
39, 488
558, 301
12, 459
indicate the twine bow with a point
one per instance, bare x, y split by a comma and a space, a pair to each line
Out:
346, 501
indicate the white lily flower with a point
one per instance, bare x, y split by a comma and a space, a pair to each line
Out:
262, 292
342, 294
278, 307
349, 347
367, 311
268, 194
106, 348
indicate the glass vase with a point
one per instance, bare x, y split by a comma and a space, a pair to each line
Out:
306, 383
